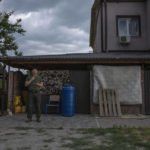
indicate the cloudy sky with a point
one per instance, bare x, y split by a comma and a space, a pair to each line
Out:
53, 26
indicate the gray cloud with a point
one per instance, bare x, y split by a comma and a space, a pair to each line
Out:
29, 5
53, 26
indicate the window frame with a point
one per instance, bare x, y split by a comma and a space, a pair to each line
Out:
128, 16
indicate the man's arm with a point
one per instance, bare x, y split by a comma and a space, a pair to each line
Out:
40, 84
27, 83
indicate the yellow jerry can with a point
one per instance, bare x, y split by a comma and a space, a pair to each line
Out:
18, 109
17, 100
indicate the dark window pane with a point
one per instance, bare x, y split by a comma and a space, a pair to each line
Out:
134, 27
128, 26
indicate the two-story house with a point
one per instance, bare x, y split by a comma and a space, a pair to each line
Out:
122, 28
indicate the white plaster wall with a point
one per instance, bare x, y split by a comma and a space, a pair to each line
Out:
125, 79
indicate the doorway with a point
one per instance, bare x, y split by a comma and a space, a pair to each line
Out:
80, 79
147, 89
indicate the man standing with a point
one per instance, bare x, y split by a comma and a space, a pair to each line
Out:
34, 83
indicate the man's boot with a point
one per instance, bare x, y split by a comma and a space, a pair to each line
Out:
38, 120
28, 120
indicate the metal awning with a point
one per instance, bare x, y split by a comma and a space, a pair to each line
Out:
52, 61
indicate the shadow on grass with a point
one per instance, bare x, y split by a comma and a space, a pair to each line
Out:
120, 138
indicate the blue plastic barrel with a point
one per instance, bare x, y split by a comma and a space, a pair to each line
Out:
68, 101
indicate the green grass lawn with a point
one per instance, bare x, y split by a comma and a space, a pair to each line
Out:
117, 138
111, 139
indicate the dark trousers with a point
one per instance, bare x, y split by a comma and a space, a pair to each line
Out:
34, 99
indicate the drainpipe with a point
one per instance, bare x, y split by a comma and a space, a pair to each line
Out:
105, 7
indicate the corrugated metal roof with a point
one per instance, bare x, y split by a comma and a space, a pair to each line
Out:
76, 59
79, 56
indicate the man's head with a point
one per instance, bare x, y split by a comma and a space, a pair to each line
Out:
34, 72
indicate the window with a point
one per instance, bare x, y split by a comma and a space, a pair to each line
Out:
128, 26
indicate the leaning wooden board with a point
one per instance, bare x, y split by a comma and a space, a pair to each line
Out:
109, 105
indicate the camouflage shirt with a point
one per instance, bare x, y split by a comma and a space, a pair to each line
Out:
33, 87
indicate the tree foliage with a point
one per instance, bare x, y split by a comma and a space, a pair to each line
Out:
8, 31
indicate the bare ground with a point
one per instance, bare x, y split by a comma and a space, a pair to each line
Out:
61, 133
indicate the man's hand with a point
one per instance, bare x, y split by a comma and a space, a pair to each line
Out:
33, 78
27, 83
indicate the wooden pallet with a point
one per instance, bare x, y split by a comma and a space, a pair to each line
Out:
109, 105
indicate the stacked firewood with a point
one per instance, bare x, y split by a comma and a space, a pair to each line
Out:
53, 81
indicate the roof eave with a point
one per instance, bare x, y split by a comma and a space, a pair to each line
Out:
95, 8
